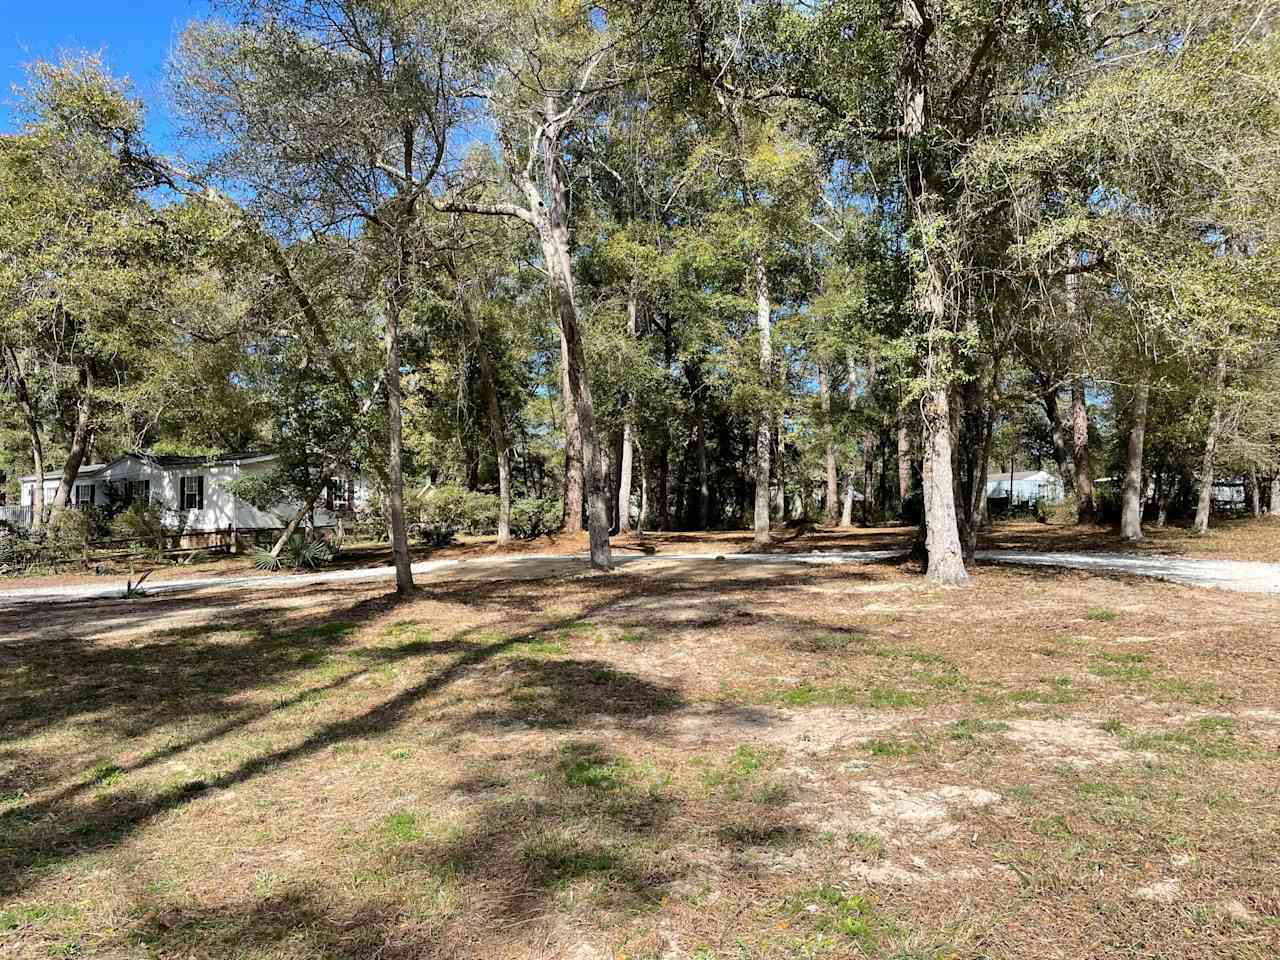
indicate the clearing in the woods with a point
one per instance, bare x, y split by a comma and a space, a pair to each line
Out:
697, 760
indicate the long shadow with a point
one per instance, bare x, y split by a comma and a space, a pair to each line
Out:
40, 834
179, 673
505, 868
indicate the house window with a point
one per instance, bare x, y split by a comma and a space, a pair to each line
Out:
84, 494
191, 493
139, 490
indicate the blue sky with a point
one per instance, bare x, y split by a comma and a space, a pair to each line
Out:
134, 36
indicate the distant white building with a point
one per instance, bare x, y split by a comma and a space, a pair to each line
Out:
1028, 486
193, 491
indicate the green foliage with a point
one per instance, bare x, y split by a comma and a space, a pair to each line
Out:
140, 520
304, 549
453, 509
533, 516
69, 531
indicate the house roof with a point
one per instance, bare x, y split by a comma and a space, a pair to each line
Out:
163, 460
1017, 475
89, 469
174, 460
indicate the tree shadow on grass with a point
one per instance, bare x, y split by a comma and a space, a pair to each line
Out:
40, 834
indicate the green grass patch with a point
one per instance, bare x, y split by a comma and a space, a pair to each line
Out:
1206, 738
106, 774
838, 922
556, 857
745, 775
1102, 615
842, 695
586, 765
889, 747
969, 730
402, 826
1129, 667
829, 642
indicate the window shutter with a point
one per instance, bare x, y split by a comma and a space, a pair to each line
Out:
93, 493
200, 492
182, 493
328, 493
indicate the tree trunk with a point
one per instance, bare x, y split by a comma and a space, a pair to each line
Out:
1131, 502
764, 431
32, 418
868, 456
780, 499
625, 457
395, 458
1086, 509
980, 512
1273, 504
553, 234
904, 462
571, 521
643, 521
1061, 452
1254, 489
831, 514
307, 506
1204, 504
846, 507
81, 438
942, 535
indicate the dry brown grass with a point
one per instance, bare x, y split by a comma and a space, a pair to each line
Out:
703, 760
1227, 539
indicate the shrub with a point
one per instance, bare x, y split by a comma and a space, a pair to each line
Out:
141, 520
69, 531
533, 516
306, 549
449, 510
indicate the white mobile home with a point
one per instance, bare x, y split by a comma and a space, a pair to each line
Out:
193, 491
1027, 486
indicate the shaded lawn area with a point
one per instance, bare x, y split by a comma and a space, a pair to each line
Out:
685, 760
357, 555
1243, 538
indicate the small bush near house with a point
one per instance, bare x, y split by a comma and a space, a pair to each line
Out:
68, 531
142, 520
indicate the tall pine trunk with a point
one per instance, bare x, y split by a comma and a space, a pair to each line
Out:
831, 514
868, 455
942, 536
571, 520
1131, 496
625, 457
1061, 450
395, 449
904, 462
1086, 508
764, 430
1204, 503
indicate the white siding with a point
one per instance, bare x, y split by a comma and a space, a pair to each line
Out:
220, 510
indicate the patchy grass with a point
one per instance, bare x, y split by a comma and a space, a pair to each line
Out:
846, 764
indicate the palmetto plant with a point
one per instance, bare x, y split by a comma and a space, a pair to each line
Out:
301, 550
